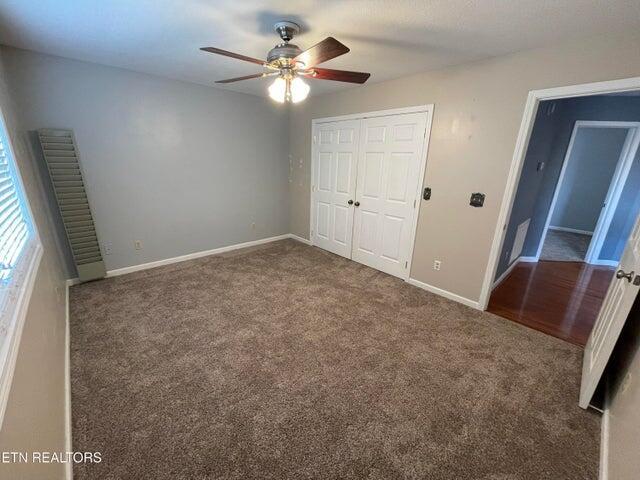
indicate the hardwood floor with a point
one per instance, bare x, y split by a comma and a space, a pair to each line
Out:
558, 298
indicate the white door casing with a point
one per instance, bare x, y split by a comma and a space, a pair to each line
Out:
334, 184
615, 309
389, 160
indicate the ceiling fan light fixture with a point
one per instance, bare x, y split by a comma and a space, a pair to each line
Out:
278, 90
299, 90
286, 89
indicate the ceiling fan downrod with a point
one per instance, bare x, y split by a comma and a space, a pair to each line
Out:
287, 30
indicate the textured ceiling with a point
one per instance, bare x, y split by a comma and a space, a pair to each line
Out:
390, 39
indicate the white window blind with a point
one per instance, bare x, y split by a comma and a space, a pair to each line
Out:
14, 217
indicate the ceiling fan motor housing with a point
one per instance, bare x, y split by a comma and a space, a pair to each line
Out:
283, 53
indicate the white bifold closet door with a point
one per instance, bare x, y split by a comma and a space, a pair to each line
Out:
366, 178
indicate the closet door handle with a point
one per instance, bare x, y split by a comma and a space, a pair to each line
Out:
357, 204
350, 202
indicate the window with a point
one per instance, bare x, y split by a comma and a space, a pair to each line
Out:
20, 253
15, 225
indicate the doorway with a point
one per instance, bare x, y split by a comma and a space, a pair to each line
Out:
577, 197
367, 172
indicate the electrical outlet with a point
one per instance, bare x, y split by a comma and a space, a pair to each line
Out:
137, 245
106, 248
437, 264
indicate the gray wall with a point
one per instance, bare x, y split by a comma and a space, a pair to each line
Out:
35, 416
180, 167
587, 177
535, 189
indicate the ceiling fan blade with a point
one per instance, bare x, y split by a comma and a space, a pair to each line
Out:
338, 75
219, 51
247, 77
321, 52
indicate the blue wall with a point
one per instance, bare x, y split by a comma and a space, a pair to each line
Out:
625, 215
549, 141
587, 177
532, 185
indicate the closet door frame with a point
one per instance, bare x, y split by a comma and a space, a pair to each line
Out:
428, 110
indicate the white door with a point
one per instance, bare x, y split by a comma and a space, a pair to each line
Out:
613, 314
389, 161
334, 185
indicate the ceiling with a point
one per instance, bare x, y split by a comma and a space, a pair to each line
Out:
389, 38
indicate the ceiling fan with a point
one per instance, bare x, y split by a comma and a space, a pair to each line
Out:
289, 64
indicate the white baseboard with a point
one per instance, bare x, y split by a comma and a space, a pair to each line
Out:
603, 473
570, 230
444, 293
191, 256
505, 274
606, 263
205, 253
68, 433
300, 239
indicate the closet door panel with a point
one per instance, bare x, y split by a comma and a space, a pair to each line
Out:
333, 185
388, 178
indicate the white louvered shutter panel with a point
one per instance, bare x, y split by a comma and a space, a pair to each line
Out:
14, 223
63, 163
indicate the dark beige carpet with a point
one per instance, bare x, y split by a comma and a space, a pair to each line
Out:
565, 246
288, 362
